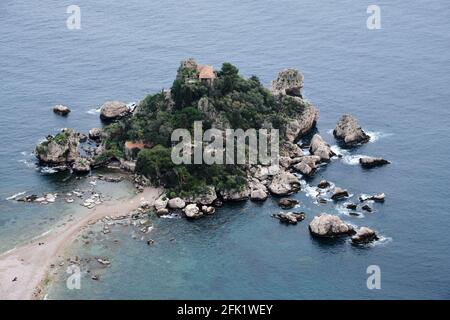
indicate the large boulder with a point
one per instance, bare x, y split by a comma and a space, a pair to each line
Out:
307, 165
113, 110
303, 123
61, 110
95, 134
207, 197
60, 149
287, 203
364, 235
320, 148
349, 131
291, 150
192, 211
327, 225
289, 217
284, 183
339, 194
161, 202
81, 165
372, 162
258, 190
288, 82
176, 203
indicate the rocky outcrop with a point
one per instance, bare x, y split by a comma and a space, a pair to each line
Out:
192, 211
290, 217
61, 110
327, 225
291, 150
114, 110
235, 195
372, 162
176, 203
206, 198
258, 190
284, 183
339, 194
95, 134
81, 165
287, 203
364, 236
209, 210
60, 149
349, 131
161, 202
367, 208
288, 82
307, 165
302, 124
320, 148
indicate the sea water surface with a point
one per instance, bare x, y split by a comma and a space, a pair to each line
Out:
394, 80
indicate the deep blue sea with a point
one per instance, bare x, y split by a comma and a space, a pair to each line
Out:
394, 80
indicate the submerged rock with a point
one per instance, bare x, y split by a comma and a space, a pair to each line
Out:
114, 110
371, 162
289, 217
349, 131
61, 110
287, 203
327, 225
320, 148
284, 183
364, 235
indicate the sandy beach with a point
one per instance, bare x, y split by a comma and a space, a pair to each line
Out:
28, 264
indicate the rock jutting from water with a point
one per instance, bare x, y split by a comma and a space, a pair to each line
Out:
61, 110
372, 162
327, 225
114, 110
289, 217
364, 235
350, 132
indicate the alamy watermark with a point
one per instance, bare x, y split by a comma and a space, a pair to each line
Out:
73, 22
374, 280
374, 20
73, 282
230, 146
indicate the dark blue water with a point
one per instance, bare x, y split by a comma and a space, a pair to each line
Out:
394, 80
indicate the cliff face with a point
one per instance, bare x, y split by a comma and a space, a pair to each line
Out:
59, 149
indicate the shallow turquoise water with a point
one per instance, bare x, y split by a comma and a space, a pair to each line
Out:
394, 80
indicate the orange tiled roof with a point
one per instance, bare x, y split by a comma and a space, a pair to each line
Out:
134, 145
206, 72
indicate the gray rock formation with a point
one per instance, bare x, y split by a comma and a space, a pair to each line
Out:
339, 194
327, 225
287, 203
192, 211
290, 217
59, 149
206, 198
349, 131
258, 190
284, 183
81, 165
161, 202
372, 162
235, 195
95, 134
302, 124
320, 148
377, 197
364, 235
308, 165
288, 82
323, 184
61, 110
113, 110
176, 203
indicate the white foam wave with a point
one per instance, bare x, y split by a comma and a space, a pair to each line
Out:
28, 163
377, 135
352, 160
48, 170
16, 195
94, 111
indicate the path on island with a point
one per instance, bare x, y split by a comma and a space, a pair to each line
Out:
28, 265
